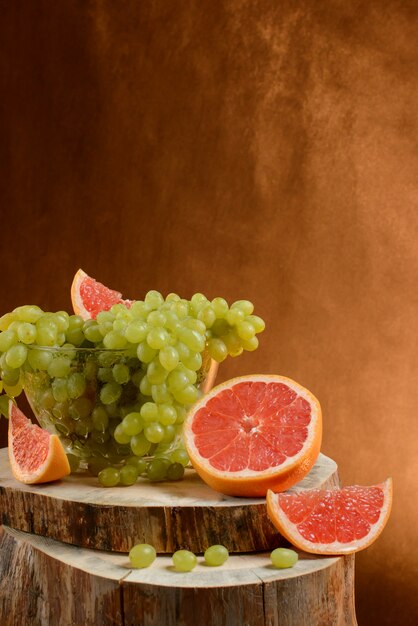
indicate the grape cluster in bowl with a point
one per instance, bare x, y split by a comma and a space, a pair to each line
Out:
116, 389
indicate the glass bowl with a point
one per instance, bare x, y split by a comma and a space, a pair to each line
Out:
83, 394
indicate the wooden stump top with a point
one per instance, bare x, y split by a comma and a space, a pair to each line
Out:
169, 515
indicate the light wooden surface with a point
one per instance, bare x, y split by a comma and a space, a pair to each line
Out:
41, 579
169, 515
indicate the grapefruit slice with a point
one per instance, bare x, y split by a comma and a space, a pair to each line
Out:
89, 297
35, 455
254, 433
335, 521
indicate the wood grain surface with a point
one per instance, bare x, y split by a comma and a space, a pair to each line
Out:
101, 588
168, 515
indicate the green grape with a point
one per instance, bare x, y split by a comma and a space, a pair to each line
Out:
257, 322
145, 386
172, 297
109, 477
80, 408
62, 320
145, 353
28, 313
216, 555
120, 436
245, 330
4, 405
157, 338
76, 385
198, 301
139, 309
16, 356
7, 339
26, 332
160, 393
149, 412
177, 380
105, 374
128, 475
136, 331
104, 317
154, 432
70, 351
100, 418
140, 444
105, 328
46, 334
184, 560
191, 375
284, 558
119, 326
137, 377
169, 433
193, 361
132, 424
175, 471
10, 376
110, 392
217, 349
39, 359
180, 456
138, 462
251, 344
195, 324
121, 373
180, 308
193, 339
157, 469
114, 340
156, 319
142, 555
60, 410
169, 357
92, 332
186, 395
154, 299
59, 367
207, 315
233, 343
245, 306
167, 414
234, 316
13, 390
220, 306
182, 350
181, 413
156, 373
6, 320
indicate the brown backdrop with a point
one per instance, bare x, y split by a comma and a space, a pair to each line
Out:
248, 148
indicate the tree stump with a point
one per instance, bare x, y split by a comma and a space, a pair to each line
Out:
58, 572
170, 515
44, 582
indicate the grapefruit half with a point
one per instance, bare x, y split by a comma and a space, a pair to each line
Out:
35, 455
335, 521
89, 297
254, 433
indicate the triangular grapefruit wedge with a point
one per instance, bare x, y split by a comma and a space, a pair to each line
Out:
36, 456
334, 521
254, 433
89, 297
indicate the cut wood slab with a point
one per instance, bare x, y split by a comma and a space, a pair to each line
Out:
169, 515
43, 581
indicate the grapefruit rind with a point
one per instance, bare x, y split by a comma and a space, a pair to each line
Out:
55, 465
252, 483
290, 531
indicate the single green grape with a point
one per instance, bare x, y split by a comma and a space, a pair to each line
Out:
167, 414
245, 306
180, 456
157, 469
245, 330
92, 333
149, 412
59, 389
145, 353
156, 319
26, 332
175, 471
139, 463
250, 344
156, 373
142, 555
76, 385
177, 380
193, 361
46, 335
100, 418
16, 356
110, 392
193, 339
169, 357
257, 322
121, 373
220, 306
132, 424
161, 394
154, 432
284, 558
114, 340
120, 436
59, 367
184, 560
216, 555
109, 477
186, 395
140, 444
169, 433
28, 313
217, 349
128, 475
207, 315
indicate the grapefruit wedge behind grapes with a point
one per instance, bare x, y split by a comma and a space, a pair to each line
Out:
35, 455
254, 433
335, 521
89, 297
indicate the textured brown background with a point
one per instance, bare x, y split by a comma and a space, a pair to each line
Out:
244, 148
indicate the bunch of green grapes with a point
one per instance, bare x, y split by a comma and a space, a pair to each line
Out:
131, 394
